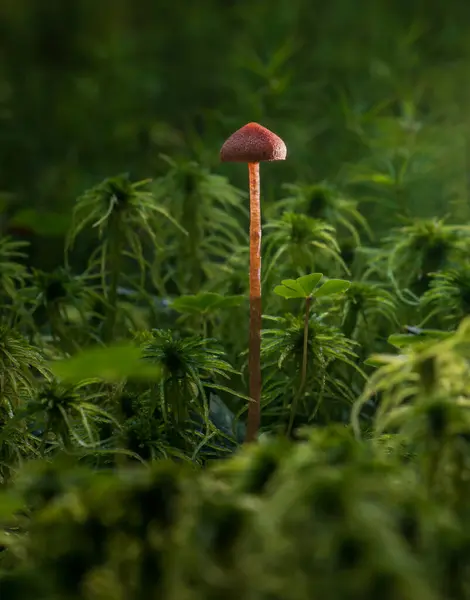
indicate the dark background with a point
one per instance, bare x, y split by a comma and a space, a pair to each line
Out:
89, 89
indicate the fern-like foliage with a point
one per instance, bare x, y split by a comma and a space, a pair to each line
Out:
414, 251
322, 201
124, 216
69, 414
303, 244
118, 209
367, 305
212, 212
64, 302
423, 397
190, 367
448, 297
331, 365
149, 436
20, 366
423, 369
13, 276
233, 276
17, 443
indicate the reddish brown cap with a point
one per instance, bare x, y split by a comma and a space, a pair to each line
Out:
253, 143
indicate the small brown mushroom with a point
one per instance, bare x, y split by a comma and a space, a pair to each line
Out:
253, 144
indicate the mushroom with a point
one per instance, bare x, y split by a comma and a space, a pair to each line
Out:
253, 144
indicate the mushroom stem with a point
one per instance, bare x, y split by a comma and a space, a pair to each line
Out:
254, 352
252, 144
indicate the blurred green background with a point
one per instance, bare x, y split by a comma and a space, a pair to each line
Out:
372, 95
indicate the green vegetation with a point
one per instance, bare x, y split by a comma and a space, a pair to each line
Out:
124, 302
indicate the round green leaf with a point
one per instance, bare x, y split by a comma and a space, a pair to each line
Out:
286, 292
112, 364
230, 301
332, 286
309, 282
293, 284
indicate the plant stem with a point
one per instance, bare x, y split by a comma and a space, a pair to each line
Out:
65, 341
204, 327
254, 350
114, 262
350, 321
45, 434
303, 373
308, 302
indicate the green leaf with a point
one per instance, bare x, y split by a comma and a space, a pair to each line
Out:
332, 286
373, 362
293, 284
230, 301
42, 223
309, 282
205, 302
112, 364
286, 292
302, 287
404, 340
379, 178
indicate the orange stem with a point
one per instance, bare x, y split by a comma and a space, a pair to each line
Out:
254, 350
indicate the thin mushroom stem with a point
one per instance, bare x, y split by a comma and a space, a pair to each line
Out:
254, 351
252, 144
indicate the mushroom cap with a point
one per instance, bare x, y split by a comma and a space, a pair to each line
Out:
251, 144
